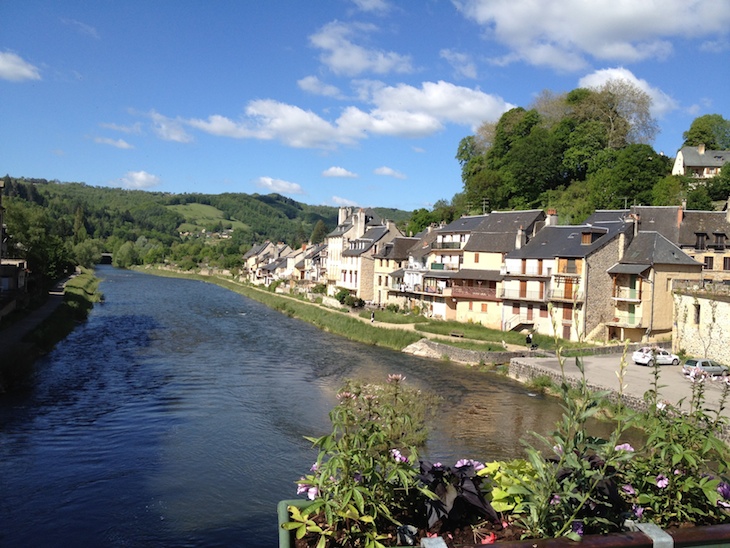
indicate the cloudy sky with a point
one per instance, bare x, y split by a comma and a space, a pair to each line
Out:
354, 102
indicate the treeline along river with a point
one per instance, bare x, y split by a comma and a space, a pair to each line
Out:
175, 416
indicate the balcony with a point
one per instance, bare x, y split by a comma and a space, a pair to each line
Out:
628, 294
562, 295
531, 273
447, 245
470, 292
445, 266
518, 295
626, 320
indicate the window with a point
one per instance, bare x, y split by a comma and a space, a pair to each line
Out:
700, 243
471, 306
585, 238
543, 311
709, 263
524, 266
697, 314
726, 263
484, 307
380, 280
476, 257
515, 309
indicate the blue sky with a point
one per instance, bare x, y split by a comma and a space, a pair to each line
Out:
335, 102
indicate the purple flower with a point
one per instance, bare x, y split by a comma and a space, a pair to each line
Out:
398, 456
466, 462
624, 447
638, 511
662, 481
310, 490
396, 378
577, 527
357, 476
724, 490
555, 500
628, 489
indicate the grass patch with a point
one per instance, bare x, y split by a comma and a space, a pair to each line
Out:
481, 333
79, 298
386, 316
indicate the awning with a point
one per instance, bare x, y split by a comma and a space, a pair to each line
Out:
624, 268
476, 274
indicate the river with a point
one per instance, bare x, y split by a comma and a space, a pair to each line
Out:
175, 416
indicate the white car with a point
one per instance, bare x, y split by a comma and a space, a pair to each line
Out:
648, 355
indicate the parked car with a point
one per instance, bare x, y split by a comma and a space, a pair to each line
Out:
647, 355
711, 367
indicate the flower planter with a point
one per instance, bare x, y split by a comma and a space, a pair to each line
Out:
713, 535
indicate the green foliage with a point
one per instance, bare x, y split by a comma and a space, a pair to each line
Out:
363, 479
677, 476
712, 130
319, 232
341, 295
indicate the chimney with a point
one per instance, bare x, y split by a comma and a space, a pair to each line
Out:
701, 149
680, 213
552, 217
520, 239
343, 214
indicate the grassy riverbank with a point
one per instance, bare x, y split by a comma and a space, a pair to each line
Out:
33, 333
79, 297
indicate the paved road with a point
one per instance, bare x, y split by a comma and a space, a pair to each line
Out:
602, 371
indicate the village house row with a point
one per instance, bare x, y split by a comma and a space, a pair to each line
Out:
610, 278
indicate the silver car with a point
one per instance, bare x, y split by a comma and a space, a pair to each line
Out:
711, 367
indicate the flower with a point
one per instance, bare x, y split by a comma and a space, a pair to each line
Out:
398, 456
724, 490
638, 511
628, 489
469, 462
489, 539
577, 527
396, 377
661, 406
624, 447
662, 481
555, 500
310, 490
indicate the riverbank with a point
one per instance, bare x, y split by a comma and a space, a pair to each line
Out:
35, 333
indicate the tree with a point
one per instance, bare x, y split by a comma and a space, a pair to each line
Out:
711, 130
718, 187
668, 191
319, 232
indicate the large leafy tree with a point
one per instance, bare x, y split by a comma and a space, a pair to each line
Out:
711, 130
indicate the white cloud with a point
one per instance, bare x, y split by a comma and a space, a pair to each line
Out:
169, 129
378, 6
15, 69
400, 111
343, 202
134, 128
715, 46
461, 62
343, 56
314, 85
139, 180
119, 143
389, 172
278, 185
419, 150
563, 34
83, 28
661, 102
336, 171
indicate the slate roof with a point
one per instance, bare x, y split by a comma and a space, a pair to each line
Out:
477, 274
396, 249
565, 241
652, 248
497, 233
663, 219
423, 246
464, 224
255, 250
361, 245
691, 157
374, 219
702, 222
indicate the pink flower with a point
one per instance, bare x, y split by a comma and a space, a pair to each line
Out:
624, 447
662, 481
398, 456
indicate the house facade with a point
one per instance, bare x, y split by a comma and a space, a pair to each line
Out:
699, 162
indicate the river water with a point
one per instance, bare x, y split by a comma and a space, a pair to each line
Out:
175, 416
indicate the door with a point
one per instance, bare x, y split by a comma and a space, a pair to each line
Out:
632, 286
568, 291
632, 314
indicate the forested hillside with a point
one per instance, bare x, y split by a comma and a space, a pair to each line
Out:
56, 224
